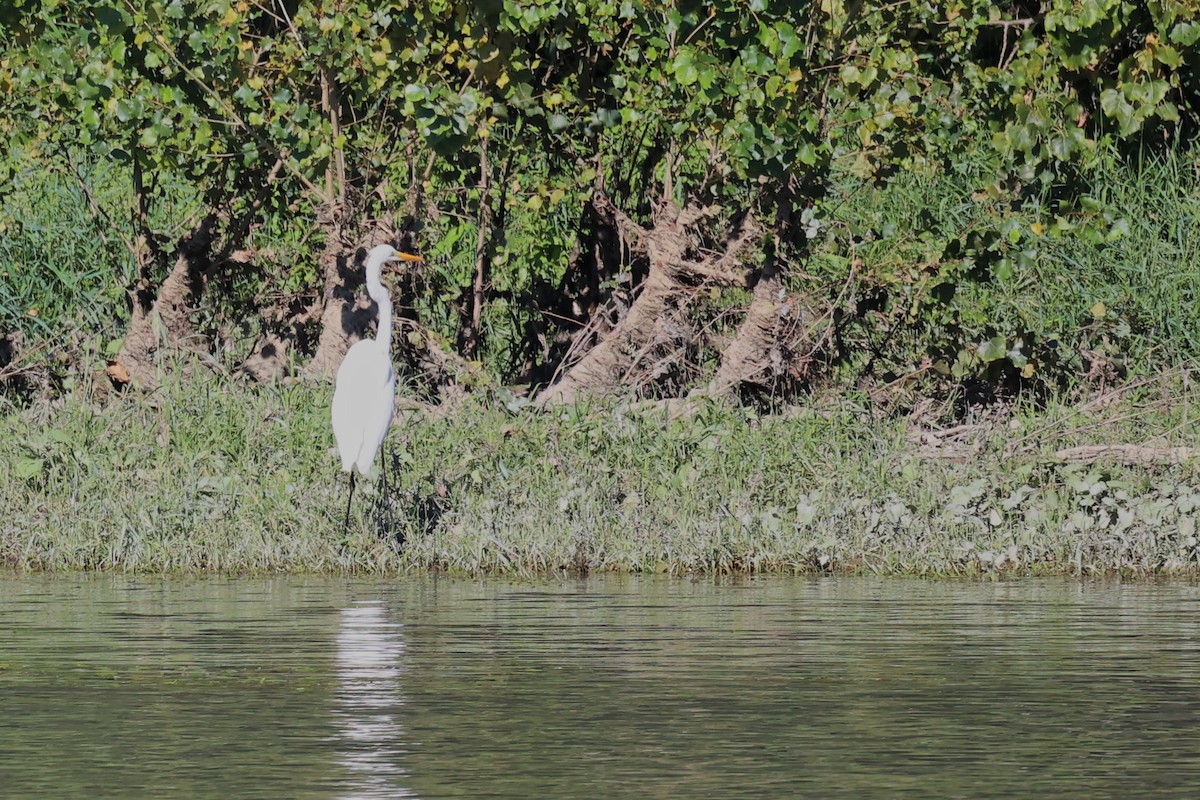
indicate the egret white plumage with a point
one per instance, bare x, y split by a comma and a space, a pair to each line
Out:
364, 399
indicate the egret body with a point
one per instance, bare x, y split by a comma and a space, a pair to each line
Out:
364, 399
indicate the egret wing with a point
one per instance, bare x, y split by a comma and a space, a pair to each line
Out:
363, 403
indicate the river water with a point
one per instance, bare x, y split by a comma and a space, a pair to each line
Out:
599, 688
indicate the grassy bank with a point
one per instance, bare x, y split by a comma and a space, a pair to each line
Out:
209, 473
209, 476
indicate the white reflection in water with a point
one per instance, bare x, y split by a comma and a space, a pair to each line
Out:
367, 703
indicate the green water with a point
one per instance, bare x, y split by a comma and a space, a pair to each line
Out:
310, 688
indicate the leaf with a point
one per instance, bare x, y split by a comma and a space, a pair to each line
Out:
127, 109
993, 349
1185, 34
1169, 56
789, 42
1168, 112
29, 468
684, 68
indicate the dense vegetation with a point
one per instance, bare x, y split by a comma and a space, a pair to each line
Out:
870, 220
732, 197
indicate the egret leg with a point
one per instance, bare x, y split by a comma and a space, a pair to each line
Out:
349, 497
385, 471
385, 508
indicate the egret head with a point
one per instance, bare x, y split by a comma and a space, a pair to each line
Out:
385, 255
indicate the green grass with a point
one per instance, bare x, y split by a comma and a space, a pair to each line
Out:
960, 260
211, 476
58, 273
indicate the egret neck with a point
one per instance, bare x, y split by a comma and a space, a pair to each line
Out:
379, 294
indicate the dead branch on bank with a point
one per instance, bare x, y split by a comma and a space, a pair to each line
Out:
1131, 454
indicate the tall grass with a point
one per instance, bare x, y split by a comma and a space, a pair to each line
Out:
60, 272
1147, 272
945, 260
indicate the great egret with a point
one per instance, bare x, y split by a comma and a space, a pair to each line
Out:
365, 397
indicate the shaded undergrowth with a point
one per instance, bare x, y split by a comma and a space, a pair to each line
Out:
208, 475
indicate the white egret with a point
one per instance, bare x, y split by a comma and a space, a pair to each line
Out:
365, 396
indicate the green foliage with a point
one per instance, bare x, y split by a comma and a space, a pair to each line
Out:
58, 278
269, 111
956, 275
208, 475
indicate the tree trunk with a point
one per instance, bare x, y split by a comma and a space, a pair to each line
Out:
343, 317
469, 337
167, 323
776, 340
654, 324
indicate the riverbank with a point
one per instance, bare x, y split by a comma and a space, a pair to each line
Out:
205, 475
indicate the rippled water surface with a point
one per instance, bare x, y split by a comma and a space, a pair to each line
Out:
309, 688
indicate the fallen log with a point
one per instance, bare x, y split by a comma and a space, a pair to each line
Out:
1133, 454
